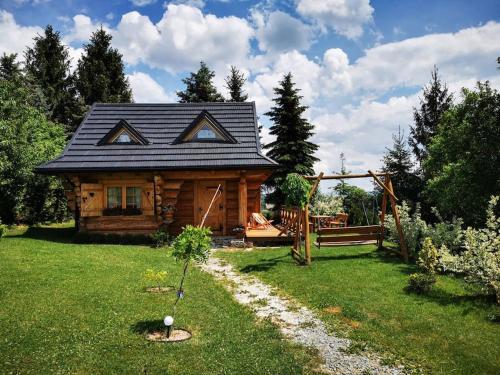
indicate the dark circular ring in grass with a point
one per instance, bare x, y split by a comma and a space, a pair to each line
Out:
176, 335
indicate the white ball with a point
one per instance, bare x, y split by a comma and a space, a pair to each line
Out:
168, 320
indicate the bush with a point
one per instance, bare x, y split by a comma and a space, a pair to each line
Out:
480, 262
296, 190
155, 277
414, 228
443, 234
3, 230
428, 257
421, 282
160, 238
326, 204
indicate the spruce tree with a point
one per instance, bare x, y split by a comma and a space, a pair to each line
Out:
435, 102
100, 72
234, 84
47, 67
291, 149
397, 161
199, 87
9, 68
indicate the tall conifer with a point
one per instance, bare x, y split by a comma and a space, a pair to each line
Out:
199, 87
9, 68
436, 100
291, 149
397, 161
100, 72
234, 83
47, 66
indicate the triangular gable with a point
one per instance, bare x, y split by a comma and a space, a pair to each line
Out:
205, 128
123, 133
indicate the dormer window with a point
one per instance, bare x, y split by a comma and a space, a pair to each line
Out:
123, 134
205, 128
123, 137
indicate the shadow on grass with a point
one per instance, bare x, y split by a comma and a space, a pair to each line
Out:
469, 301
266, 264
147, 326
62, 235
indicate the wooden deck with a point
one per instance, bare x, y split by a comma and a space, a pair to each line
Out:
268, 235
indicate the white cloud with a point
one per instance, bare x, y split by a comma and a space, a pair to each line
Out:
278, 31
141, 3
82, 29
192, 3
13, 37
346, 17
146, 90
182, 38
468, 53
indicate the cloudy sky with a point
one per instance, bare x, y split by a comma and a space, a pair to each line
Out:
361, 64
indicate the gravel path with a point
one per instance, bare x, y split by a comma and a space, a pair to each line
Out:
295, 321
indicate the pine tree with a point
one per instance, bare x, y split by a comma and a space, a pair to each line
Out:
199, 87
47, 66
435, 102
291, 149
234, 83
397, 161
9, 68
100, 72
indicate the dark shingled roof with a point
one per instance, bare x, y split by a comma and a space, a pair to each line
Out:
160, 125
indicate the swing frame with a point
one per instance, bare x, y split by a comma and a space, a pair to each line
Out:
348, 235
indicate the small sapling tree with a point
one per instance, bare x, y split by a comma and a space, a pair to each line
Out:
156, 278
296, 190
192, 245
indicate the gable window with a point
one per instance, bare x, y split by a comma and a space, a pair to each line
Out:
123, 138
123, 134
205, 133
205, 128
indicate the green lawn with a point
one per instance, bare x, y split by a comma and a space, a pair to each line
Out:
444, 332
67, 308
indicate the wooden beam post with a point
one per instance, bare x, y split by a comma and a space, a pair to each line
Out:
307, 236
242, 201
382, 185
395, 213
382, 214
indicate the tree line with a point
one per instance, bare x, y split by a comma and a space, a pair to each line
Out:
451, 158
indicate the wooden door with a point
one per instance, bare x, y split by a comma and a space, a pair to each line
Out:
205, 191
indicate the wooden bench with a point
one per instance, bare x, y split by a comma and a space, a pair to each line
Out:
348, 236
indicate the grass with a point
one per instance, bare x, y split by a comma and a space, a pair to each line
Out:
82, 309
360, 293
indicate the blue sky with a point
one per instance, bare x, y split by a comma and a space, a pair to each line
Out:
361, 64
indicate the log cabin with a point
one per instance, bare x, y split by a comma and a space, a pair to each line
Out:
135, 168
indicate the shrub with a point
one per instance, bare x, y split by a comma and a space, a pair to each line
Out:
480, 262
447, 234
155, 277
3, 230
421, 282
326, 204
428, 257
160, 238
414, 228
296, 190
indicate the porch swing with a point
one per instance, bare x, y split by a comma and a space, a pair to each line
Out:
357, 235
